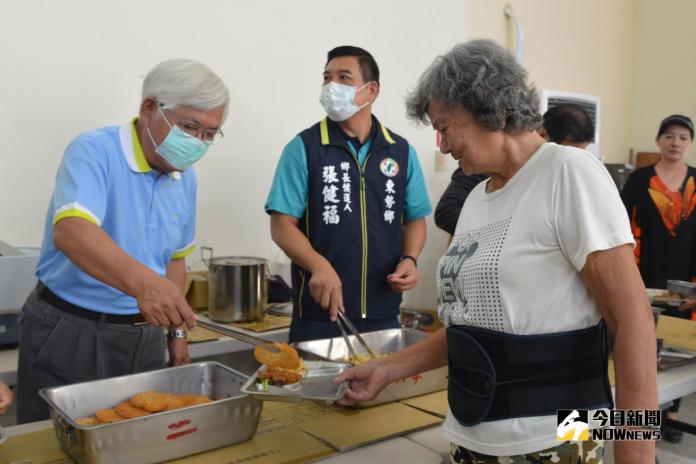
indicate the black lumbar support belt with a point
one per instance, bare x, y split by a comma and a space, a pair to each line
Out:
494, 375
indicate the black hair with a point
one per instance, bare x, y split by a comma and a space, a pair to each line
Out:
569, 122
368, 65
676, 120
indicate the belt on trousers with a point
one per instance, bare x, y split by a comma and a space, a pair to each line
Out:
54, 300
494, 375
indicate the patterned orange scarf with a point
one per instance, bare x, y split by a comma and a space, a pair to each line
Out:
674, 207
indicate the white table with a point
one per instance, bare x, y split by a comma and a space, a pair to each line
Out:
425, 446
27, 428
433, 439
399, 449
676, 383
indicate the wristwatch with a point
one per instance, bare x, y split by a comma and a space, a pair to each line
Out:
412, 258
177, 333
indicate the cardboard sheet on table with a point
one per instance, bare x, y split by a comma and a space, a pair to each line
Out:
269, 322
274, 442
38, 447
433, 403
196, 290
201, 334
677, 332
346, 428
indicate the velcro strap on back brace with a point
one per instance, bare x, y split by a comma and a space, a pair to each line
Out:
494, 375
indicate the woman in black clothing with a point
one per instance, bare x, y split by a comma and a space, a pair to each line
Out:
660, 200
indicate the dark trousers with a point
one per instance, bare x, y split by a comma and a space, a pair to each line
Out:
57, 348
302, 330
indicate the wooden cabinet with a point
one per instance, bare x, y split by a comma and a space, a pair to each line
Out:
646, 158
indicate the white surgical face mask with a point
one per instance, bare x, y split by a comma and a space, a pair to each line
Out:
338, 100
178, 148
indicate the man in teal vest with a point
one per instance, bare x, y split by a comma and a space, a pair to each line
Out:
348, 206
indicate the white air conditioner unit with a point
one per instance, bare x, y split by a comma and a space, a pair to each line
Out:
551, 98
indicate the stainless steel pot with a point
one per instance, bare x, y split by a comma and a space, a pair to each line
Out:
237, 289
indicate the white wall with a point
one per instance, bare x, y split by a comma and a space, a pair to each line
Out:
582, 46
664, 68
74, 65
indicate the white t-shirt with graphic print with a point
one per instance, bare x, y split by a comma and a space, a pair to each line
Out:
514, 266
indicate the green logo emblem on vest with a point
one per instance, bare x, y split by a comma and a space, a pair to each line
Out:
389, 167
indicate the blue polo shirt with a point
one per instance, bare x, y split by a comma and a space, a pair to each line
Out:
105, 179
290, 186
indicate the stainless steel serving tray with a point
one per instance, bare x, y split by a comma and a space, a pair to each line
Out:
318, 384
231, 418
682, 288
384, 342
670, 357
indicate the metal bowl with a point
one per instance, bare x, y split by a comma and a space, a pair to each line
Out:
682, 288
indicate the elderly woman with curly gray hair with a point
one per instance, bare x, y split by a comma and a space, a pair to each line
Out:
539, 267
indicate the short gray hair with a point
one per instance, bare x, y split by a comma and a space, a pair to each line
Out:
483, 79
182, 82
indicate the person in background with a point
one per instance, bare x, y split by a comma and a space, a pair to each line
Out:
539, 266
565, 124
5, 398
453, 198
348, 206
660, 201
568, 124
119, 224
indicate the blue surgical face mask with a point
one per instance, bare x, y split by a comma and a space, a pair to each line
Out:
178, 148
338, 100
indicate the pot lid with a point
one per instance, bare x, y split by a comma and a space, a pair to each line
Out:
238, 261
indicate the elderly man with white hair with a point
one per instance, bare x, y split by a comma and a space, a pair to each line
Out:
119, 224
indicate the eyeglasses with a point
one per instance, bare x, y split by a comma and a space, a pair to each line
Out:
192, 128
209, 136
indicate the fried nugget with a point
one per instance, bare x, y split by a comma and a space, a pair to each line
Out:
128, 411
150, 401
192, 400
87, 421
286, 358
107, 416
280, 377
175, 401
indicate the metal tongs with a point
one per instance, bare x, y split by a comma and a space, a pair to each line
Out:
343, 319
257, 341
242, 337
